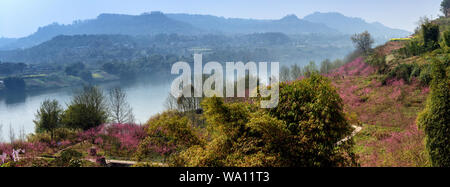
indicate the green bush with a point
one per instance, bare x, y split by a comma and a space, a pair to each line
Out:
402, 71
425, 75
87, 110
435, 118
168, 133
446, 37
302, 131
68, 158
430, 33
378, 61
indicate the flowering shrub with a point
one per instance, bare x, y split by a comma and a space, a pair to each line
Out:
355, 68
115, 139
404, 148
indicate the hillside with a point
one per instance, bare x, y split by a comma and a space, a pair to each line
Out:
154, 23
144, 24
349, 25
385, 93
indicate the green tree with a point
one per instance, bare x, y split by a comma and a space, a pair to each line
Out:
445, 7
435, 118
87, 109
48, 117
313, 112
168, 133
14, 83
446, 36
430, 32
363, 42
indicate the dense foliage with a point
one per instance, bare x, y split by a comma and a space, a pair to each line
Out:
88, 109
14, 83
304, 130
48, 117
435, 119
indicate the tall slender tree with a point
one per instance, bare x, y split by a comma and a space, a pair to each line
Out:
48, 117
119, 108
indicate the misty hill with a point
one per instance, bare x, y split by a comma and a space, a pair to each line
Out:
186, 24
348, 25
290, 24
94, 49
144, 24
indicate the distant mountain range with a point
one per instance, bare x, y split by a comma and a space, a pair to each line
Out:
348, 25
186, 24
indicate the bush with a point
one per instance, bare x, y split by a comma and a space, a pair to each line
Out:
402, 71
168, 132
68, 158
435, 118
446, 37
378, 61
430, 33
303, 130
87, 110
425, 75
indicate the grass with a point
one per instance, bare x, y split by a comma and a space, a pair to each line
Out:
390, 136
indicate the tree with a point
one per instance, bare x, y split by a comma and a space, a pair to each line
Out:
168, 132
284, 74
296, 72
310, 69
74, 69
14, 84
435, 118
363, 42
445, 7
120, 110
48, 117
86, 76
87, 109
430, 32
325, 66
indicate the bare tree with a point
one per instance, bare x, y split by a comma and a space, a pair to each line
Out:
363, 42
12, 134
120, 109
296, 72
284, 74
22, 134
171, 102
1, 133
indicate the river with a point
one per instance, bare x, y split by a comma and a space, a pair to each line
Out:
18, 110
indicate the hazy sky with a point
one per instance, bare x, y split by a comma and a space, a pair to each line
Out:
20, 18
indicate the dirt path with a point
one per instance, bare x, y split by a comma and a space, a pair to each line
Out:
357, 129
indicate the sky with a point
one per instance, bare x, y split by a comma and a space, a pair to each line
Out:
19, 18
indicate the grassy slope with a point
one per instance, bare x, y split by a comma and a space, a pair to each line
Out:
390, 136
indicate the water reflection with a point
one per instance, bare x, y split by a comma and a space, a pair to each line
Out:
146, 96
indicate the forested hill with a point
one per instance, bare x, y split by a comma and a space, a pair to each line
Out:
185, 24
349, 25
290, 24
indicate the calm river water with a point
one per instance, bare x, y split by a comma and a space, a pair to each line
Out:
18, 110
